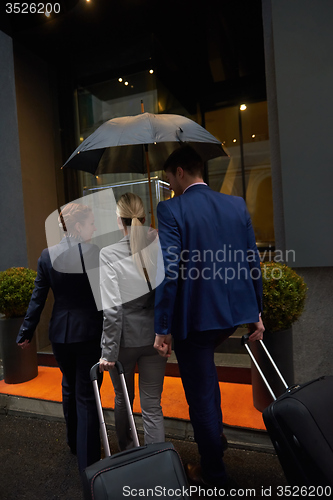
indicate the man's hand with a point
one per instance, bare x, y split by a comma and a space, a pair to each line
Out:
163, 345
105, 365
257, 330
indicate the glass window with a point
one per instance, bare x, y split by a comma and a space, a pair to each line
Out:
244, 133
247, 170
122, 97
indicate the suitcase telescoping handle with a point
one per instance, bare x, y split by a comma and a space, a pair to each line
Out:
94, 378
245, 339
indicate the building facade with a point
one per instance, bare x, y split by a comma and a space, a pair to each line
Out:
280, 157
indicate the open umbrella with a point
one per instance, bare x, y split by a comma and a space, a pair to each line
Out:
141, 143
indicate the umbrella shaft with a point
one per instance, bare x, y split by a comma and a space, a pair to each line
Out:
150, 191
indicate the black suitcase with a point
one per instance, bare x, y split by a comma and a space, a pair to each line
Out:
152, 471
300, 425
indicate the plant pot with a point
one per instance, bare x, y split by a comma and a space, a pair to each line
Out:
19, 365
280, 347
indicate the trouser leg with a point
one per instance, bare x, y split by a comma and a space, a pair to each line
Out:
67, 365
151, 376
88, 436
80, 411
195, 357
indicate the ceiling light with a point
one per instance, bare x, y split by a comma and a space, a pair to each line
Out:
47, 14
120, 80
151, 71
125, 83
234, 140
253, 136
242, 107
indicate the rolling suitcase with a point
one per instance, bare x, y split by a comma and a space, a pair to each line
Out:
300, 425
152, 470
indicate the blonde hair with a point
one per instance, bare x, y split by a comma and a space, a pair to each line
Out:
132, 213
70, 215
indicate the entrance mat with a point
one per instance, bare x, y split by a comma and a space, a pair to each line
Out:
237, 405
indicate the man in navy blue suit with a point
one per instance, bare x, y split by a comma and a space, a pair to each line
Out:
212, 285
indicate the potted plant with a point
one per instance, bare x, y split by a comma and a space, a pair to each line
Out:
16, 286
284, 294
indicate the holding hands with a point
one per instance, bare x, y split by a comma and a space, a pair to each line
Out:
163, 345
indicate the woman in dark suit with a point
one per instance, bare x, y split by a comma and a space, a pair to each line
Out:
75, 327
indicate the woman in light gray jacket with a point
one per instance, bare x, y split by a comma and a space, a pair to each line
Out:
127, 278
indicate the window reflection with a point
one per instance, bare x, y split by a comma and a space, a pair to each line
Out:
111, 99
225, 174
104, 101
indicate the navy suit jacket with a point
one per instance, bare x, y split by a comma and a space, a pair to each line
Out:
212, 265
75, 317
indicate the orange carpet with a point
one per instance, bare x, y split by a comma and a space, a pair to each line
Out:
238, 409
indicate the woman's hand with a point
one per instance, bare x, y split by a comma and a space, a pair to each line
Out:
105, 365
24, 344
163, 344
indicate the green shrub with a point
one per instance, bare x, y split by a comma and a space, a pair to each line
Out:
16, 286
284, 294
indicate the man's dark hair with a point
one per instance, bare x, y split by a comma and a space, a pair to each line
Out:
186, 158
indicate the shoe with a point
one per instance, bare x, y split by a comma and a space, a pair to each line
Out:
194, 475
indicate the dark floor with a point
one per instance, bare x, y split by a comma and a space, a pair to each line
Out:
37, 464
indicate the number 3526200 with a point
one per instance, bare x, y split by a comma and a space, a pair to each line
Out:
32, 8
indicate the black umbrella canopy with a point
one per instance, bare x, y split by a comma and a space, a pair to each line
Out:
119, 145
